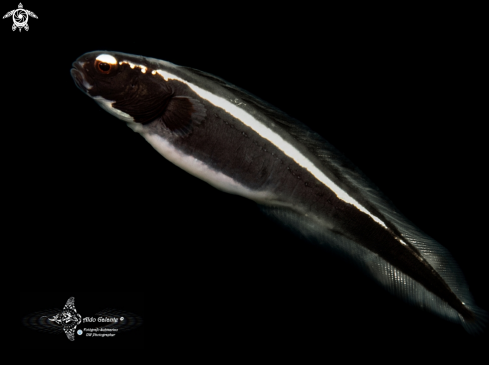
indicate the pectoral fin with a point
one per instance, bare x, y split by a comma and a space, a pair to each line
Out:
182, 113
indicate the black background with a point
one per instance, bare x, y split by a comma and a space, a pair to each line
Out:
399, 92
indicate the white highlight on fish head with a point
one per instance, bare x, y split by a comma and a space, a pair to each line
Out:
107, 105
273, 138
133, 65
106, 58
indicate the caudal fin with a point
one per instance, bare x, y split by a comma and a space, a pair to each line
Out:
477, 323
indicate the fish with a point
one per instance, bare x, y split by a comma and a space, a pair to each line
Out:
242, 145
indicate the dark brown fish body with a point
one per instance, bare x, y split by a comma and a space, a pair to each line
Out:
242, 145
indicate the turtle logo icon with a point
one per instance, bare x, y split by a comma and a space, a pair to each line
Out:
20, 17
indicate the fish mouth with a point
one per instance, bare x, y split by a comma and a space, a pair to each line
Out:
79, 78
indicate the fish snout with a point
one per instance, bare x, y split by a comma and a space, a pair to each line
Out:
78, 75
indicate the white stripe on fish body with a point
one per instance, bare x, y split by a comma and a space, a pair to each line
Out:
269, 135
201, 170
187, 162
233, 107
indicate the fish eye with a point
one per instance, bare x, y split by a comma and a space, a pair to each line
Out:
105, 64
104, 67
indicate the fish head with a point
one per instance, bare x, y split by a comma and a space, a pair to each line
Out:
127, 86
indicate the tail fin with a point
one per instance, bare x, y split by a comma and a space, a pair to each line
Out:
476, 324
388, 276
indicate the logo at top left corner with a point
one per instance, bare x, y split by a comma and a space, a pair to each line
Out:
20, 17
